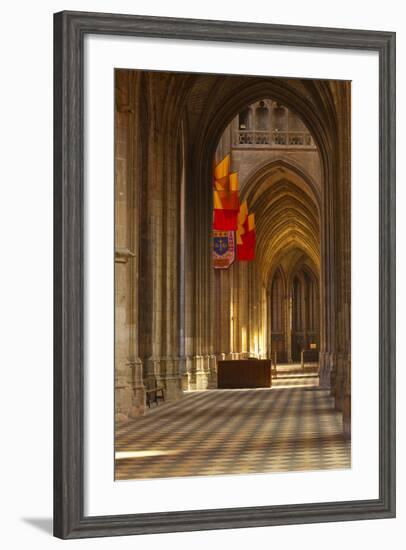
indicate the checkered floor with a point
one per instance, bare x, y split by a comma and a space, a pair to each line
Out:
292, 426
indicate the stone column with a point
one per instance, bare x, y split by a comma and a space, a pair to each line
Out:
328, 269
243, 309
342, 388
303, 307
159, 280
204, 283
335, 287
129, 388
264, 343
288, 323
346, 285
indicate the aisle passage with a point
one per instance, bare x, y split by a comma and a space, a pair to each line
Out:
235, 432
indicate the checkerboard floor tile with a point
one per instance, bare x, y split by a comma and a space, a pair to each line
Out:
291, 427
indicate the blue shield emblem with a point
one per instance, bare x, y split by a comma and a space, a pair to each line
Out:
220, 245
223, 249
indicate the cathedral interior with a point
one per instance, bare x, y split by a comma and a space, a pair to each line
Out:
178, 321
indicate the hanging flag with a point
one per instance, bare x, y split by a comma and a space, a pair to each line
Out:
222, 169
226, 201
246, 235
241, 220
226, 220
223, 249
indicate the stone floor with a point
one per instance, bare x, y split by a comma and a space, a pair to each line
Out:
292, 426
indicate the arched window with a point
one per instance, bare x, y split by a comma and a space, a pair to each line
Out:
280, 124
245, 137
244, 119
262, 117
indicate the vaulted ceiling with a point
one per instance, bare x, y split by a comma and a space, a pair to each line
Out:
286, 207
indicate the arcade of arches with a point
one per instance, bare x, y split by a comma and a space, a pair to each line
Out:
176, 316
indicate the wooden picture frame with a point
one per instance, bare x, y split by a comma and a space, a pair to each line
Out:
70, 29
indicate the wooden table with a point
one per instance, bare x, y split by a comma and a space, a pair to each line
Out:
244, 373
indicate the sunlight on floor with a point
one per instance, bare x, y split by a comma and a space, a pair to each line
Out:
292, 426
142, 454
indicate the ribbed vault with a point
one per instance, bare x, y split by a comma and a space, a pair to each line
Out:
287, 216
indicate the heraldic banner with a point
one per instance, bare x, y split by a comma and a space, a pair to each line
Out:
223, 249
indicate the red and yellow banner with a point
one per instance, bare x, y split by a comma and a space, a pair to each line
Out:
226, 200
246, 235
230, 216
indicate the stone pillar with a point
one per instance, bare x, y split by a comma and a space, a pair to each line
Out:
252, 314
288, 324
346, 407
160, 203
343, 318
203, 282
303, 307
129, 388
328, 269
264, 342
243, 309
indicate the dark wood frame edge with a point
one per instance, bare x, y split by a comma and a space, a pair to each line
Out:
69, 31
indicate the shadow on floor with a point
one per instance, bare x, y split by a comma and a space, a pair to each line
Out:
43, 524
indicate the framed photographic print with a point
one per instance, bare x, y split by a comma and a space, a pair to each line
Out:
224, 275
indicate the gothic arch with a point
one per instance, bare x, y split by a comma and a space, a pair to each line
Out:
260, 174
314, 103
